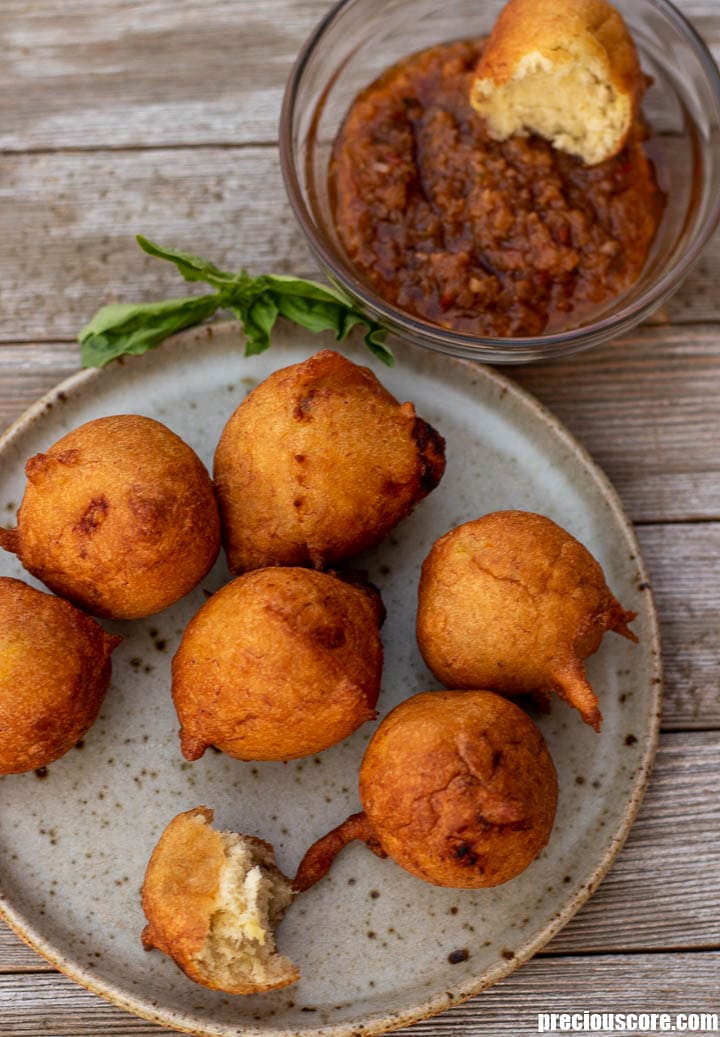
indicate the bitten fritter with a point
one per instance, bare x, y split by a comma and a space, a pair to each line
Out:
457, 787
212, 900
567, 70
278, 664
512, 602
54, 672
119, 516
318, 463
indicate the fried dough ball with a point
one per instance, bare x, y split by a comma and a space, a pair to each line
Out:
512, 602
457, 787
278, 664
565, 69
54, 672
318, 463
119, 516
212, 900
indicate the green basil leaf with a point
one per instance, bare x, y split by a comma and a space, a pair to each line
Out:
255, 301
337, 317
285, 285
133, 328
193, 268
375, 342
313, 314
258, 324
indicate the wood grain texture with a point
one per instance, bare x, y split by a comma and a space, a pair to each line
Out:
647, 408
684, 566
26, 373
69, 221
55, 1007
82, 74
664, 889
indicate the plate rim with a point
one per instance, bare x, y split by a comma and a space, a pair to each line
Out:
379, 1022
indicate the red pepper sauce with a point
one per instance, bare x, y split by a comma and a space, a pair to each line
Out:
491, 239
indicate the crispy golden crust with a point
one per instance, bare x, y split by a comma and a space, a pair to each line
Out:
561, 31
459, 788
280, 663
318, 860
54, 672
319, 463
119, 516
181, 887
554, 26
180, 893
513, 603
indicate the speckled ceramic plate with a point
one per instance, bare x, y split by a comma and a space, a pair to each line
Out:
375, 946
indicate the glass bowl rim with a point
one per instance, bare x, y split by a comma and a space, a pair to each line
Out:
464, 343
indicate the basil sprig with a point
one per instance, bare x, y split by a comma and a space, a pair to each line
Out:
133, 328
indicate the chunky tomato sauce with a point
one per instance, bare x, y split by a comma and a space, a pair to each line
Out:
487, 238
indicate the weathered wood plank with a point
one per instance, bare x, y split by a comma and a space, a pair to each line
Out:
165, 72
647, 409
26, 373
16, 956
80, 74
664, 890
53, 1006
69, 221
684, 570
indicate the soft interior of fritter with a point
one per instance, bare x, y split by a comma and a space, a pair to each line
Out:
571, 105
240, 946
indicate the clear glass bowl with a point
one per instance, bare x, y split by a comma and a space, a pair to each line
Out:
359, 38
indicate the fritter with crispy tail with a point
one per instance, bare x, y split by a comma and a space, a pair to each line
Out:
280, 663
319, 463
457, 787
512, 602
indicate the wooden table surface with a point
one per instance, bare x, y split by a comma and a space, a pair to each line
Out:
121, 116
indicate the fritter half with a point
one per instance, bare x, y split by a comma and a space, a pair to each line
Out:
212, 900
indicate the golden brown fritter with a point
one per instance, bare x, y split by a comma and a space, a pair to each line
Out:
212, 899
54, 672
319, 463
119, 516
565, 69
457, 787
278, 664
512, 602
